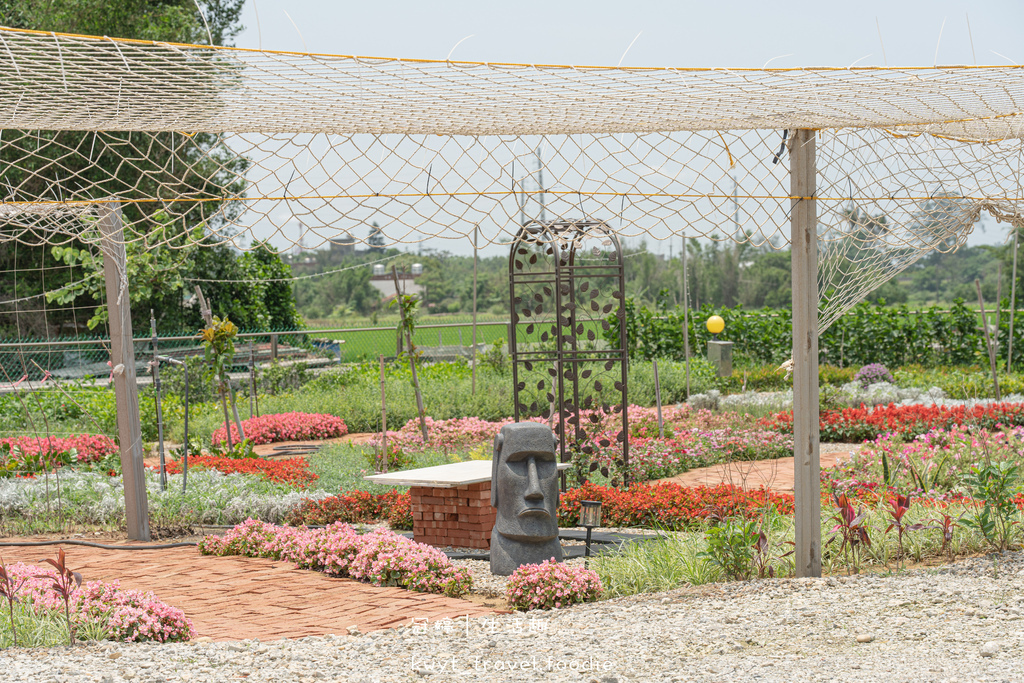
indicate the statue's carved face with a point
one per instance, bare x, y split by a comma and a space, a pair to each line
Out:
524, 485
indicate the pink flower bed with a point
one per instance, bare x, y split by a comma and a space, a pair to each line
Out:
128, 615
446, 435
89, 447
551, 584
285, 427
381, 557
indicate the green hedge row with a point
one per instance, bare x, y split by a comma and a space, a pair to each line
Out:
893, 336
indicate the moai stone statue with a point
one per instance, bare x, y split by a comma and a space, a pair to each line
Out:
524, 490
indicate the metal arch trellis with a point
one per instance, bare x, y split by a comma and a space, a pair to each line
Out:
565, 279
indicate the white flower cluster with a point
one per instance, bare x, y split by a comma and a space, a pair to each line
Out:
851, 394
211, 497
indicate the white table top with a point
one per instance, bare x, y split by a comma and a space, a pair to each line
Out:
442, 476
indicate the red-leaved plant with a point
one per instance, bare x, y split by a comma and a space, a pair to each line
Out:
64, 584
946, 526
9, 588
850, 528
898, 507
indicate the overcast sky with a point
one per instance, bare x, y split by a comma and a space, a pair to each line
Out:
684, 33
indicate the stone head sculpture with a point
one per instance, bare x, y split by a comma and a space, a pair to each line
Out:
524, 490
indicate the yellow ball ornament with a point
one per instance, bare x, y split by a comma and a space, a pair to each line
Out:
716, 324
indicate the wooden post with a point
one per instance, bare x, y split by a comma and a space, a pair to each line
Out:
806, 476
476, 230
273, 347
1013, 298
122, 363
657, 398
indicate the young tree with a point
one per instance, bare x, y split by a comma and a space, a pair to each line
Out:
61, 164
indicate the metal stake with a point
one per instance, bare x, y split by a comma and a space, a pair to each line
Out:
476, 230
657, 398
383, 417
1013, 298
686, 320
159, 413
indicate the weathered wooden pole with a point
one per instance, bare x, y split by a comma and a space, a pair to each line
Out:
122, 364
806, 465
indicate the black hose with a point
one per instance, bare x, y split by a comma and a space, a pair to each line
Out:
90, 544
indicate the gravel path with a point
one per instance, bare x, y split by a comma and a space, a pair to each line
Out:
956, 623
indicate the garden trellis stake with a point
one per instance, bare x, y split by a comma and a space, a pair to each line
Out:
988, 341
155, 367
657, 399
185, 447
383, 417
1013, 297
406, 326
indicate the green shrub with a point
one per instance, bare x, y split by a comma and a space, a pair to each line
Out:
672, 377
867, 333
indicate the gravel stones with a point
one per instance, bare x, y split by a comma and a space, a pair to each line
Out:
961, 622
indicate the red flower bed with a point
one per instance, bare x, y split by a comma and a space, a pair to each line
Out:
285, 427
859, 424
293, 471
356, 506
89, 447
667, 505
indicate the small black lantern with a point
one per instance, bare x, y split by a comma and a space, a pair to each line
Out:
590, 517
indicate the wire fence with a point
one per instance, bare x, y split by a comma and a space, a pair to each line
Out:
87, 358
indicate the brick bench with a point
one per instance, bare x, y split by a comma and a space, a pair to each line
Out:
451, 504
461, 517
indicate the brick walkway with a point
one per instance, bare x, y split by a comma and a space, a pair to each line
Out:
776, 475
234, 598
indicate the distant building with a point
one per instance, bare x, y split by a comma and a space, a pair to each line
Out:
342, 247
384, 283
